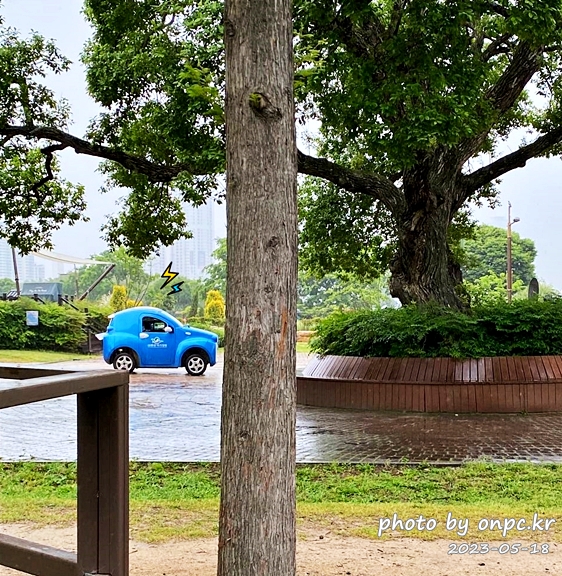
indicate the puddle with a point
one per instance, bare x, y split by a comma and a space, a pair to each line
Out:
179, 420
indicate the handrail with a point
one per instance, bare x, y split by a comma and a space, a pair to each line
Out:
102, 477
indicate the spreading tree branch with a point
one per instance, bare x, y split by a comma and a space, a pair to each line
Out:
48, 152
515, 77
396, 17
363, 40
5, 140
517, 159
497, 46
374, 185
504, 93
154, 171
498, 9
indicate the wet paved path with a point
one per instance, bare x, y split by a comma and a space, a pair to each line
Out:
174, 417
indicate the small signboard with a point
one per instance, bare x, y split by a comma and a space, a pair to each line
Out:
32, 318
47, 291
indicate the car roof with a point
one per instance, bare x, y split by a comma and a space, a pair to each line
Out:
143, 310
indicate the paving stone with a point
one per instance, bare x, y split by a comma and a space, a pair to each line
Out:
175, 417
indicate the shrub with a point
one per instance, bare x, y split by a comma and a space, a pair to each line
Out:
214, 306
192, 320
60, 328
523, 328
14, 334
218, 330
118, 300
97, 314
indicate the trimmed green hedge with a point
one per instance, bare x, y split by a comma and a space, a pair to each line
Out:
523, 328
195, 320
218, 330
97, 314
60, 327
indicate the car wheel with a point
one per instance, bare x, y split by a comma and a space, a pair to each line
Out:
124, 361
195, 364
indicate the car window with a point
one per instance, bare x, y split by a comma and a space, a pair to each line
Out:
150, 324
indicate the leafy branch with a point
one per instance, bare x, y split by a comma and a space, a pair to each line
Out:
49, 157
154, 171
374, 185
517, 159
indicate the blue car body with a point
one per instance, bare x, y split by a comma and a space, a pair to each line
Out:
155, 339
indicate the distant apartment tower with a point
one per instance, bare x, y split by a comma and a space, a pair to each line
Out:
28, 270
189, 256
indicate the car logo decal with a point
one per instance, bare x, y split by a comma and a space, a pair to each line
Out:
157, 342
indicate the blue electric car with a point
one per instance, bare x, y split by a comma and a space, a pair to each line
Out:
146, 337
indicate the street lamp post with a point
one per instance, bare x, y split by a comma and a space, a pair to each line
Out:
509, 258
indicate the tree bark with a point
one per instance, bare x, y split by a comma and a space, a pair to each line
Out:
423, 268
257, 534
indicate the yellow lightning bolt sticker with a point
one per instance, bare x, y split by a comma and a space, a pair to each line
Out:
169, 275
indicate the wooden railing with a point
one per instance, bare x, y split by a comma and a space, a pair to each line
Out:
102, 475
507, 384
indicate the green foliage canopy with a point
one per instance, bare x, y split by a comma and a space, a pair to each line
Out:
32, 204
128, 272
157, 67
215, 273
398, 124
492, 289
6, 284
318, 298
486, 251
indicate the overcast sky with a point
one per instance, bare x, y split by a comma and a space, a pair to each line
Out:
535, 192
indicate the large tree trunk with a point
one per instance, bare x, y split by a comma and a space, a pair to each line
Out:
257, 534
424, 269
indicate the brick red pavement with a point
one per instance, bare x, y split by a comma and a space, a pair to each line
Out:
175, 417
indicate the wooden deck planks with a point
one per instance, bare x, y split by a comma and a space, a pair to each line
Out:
553, 376
555, 391
513, 384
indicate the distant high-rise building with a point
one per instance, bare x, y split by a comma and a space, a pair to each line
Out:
189, 256
40, 273
6, 263
28, 270
60, 269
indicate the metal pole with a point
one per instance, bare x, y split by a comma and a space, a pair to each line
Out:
76, 281
509, 264
16, 276
103, 275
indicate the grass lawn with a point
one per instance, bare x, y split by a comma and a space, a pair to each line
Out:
181, 501
28, 356
303, 347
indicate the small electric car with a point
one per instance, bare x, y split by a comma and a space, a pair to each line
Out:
146, 337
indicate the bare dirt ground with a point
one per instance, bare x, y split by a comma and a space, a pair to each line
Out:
319, 555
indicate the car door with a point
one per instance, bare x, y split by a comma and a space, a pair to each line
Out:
157, 344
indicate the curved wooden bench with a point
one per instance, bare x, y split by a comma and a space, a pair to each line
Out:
504, 384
